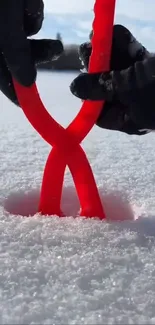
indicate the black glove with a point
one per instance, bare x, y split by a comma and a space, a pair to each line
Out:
116, 114
18, 54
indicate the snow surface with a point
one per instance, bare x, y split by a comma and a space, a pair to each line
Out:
75, 270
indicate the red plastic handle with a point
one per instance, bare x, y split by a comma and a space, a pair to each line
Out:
67, 150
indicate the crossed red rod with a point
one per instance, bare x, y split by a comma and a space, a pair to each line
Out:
66, 142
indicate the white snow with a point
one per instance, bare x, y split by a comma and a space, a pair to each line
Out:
75, 271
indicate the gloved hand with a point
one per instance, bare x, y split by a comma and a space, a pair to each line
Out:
126, 50
18, 54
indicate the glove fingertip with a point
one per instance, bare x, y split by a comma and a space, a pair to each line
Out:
45, 50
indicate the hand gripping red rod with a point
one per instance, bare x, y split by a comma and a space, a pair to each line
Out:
66, 142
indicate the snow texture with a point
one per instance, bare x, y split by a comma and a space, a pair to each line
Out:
75, 270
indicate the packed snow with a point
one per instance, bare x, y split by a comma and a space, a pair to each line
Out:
75, 270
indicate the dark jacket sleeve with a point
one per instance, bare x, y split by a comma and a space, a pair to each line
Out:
135, 88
